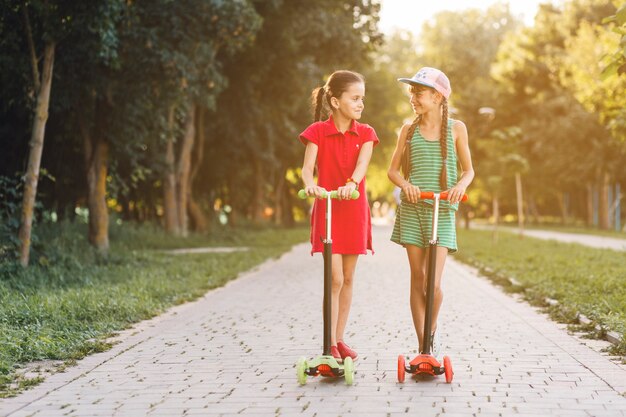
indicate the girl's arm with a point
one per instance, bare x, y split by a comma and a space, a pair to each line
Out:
463, 153
308, 167
395, 176
365, 155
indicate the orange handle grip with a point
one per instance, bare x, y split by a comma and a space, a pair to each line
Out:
429, 195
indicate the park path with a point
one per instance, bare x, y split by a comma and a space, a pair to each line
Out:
232, 353
595, 241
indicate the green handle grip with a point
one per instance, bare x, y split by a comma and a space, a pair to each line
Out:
333, 194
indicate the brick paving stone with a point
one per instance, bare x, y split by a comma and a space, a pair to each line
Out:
233, 351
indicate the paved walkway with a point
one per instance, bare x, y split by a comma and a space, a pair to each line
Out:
233, 353
602, 242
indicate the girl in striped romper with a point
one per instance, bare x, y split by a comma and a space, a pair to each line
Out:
428, 150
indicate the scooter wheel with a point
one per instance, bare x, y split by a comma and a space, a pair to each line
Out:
301, 370
348, 370
447, 368
401, 368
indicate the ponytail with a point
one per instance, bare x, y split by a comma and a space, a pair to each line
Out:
317, 103
443, 142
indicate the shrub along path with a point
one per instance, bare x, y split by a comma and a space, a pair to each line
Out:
232, 352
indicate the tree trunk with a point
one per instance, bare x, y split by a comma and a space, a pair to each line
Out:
604, 202
560, 196
36, 149
618, 207
96, 153
96, 198
279, 193
227, 198
520, 203
496, 218
287, 200
257, 199
589, 204
184, 169
170, 209
198, 219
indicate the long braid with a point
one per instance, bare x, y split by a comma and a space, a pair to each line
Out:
406, 153
317, 96
443, 142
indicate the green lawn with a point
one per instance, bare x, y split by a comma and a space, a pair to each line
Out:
69, 301
586, 280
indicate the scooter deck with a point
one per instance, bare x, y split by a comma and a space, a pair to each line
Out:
425, 364
325, 365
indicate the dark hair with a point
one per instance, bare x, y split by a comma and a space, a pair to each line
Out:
336, 84
443, 138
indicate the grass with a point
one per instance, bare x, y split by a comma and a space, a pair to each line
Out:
582, 279
70, 300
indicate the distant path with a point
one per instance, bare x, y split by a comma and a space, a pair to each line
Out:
185, 251
595, 241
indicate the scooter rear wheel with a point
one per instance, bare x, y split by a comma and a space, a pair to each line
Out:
401, 368
447, 368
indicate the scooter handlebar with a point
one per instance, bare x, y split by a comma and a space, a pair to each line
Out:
333, 194
429, 195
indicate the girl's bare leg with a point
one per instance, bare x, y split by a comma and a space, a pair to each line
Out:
417, 262
337, 285
345, 295
442, 254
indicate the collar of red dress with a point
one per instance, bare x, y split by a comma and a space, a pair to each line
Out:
330, 129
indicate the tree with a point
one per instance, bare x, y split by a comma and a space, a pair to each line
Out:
182, 71
504, 163
539, 70
252, 138
37, 38
88, 64
42, 86
617, 60
387, 105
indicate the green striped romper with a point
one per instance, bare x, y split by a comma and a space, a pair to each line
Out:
413, 225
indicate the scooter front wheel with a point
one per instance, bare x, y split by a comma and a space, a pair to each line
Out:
401, 368
348, 370
447, 368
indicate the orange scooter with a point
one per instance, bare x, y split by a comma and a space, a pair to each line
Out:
425, 362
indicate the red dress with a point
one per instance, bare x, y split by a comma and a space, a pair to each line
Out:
337, 154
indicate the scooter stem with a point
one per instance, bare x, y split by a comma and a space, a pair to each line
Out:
328, 250
430, 286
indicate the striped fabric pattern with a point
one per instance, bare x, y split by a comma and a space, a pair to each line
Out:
413, 225
426, 164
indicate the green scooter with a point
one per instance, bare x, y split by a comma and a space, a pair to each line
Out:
325, 364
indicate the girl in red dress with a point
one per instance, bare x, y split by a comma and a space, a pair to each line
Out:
342, 148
